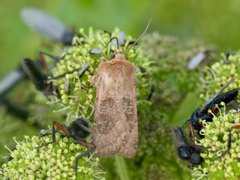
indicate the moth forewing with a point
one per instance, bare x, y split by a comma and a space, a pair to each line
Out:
115, 129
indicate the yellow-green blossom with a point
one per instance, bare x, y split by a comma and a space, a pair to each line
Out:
216, 163
53, 161
76, 95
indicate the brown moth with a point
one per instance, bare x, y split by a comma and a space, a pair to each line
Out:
115, 129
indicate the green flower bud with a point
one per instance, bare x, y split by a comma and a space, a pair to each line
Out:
219, 74
81, 95
51, 161
215, 143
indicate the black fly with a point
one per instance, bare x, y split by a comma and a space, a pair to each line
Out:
186, 150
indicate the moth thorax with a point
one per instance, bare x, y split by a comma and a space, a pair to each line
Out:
119, 55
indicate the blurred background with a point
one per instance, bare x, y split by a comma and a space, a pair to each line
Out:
212, 21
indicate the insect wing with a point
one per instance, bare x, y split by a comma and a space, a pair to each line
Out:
182, 146
43, 23
9, 81
178, 137
96, 51
196, 60
224, 97
115, 128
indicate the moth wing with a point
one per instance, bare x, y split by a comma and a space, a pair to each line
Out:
108, 132
115, 121
129, 145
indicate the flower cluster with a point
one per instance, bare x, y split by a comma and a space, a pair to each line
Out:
172, 81
75, 93
171, 57
75, 97
222, 153
219, 74
219, 160
33, 160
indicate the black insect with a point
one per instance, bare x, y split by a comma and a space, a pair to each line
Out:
42, 81
204, 114
185, 149
47, 25
39, 79
9, 82
77, 130
12, 79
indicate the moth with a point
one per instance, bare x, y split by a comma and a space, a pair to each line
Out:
115, 129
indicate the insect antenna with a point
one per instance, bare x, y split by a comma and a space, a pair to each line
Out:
141, 36
112, 40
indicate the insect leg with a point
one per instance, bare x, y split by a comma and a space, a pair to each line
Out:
54, 131
234, 126
80, 72
60, 127
228, 145
150, 93
89, 151
191, 130
53, 57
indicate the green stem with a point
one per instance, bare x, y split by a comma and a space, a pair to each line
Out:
121, 168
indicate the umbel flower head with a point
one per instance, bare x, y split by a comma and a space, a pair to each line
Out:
76, 95
171, 57
54, 161
220, 162
171, 83
218, 74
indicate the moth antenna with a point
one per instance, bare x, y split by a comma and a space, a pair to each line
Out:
111, 41
141, 36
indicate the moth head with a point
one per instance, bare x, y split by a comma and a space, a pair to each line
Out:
119, 55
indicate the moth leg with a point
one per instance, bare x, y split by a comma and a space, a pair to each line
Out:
89, 151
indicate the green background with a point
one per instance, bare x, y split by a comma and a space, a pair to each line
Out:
215, 21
